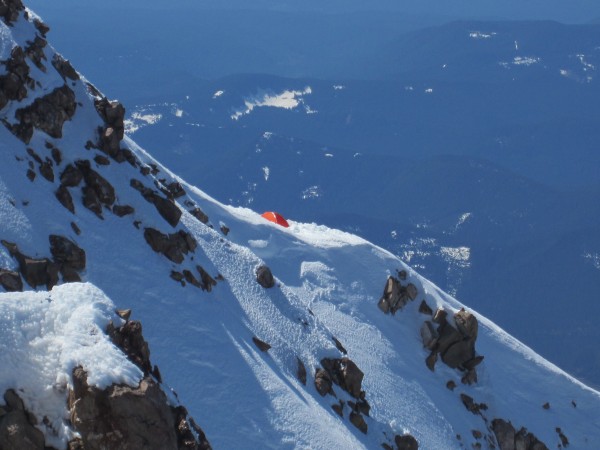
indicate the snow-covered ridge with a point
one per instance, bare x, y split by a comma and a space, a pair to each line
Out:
273, 362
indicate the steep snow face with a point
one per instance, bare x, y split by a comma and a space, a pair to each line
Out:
327, 285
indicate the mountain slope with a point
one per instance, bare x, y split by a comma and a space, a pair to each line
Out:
208, 336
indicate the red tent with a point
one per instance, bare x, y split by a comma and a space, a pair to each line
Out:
276, 218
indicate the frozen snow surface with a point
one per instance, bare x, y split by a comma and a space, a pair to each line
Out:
328, 283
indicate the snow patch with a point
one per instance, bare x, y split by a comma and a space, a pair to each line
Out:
288, 99
480, 35
218, 94
311, 192
141, 119
266, 173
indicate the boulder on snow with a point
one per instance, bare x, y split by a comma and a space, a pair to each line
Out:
395, 296
165, 207
425, 309
122, 210
429, 335
346, 374
261, 345
71, 176
36, 271
173, 246
406, 442
264, 277
323, 382
359, 422
66, 253
199, 214
64, 68
64, 197
301, 371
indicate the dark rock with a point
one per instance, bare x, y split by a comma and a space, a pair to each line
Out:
359, 422
177, 276
323, 382
70, 275
103, 189
165, 207
402, 275
13, 85
440, 316
128, 417
67, 253
75, 228
10, 9
46, 170
64, 68
175, 189
458, 353
472, 363
13, 401
91, 201
36, 272
466, 324
47, 113
470, 377
425, 309
546, 405
406, 442
262, 345
101, 160
345, 373
476, 434
411, 291
124, 314
563, 439
470, 404
56, 156
394, 296
173, 246
429, 335
431, 360
190, 278
122, 210
339, 345
338, 408
301, 371
71, 176
448, 336
31, 152
31, 174
35, 52
206, 281
10, 280
16, 430
129, 338
264, 277
505, 434
225, 230
64, 197
451, 385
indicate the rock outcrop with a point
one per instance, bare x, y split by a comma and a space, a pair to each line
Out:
396, 296
165, 207
17, 426
173, 246
264, 277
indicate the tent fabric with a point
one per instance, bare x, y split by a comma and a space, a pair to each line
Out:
276, 218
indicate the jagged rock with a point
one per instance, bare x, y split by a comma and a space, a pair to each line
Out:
129, 338
11, 280
431, 360
262, 345
41, 27
128, 417
190, 278
35, 52
13, 85
103, 189
323, 382
505, 434
64, 197
472, 363
165, 207
56, 156
91, 201
173, 246
124, 314
175, 189
122, 210
17, 426
301, 371
31, 175
47, 113
440, 316
448, 335
206, 281
429, 335
345, 373
46, 170
361, 406
470, 404
102, 160
466, 324
425, 309
359, 422
10, 9
66, 253
198, 214
64, 68
264, 277
109, 141
34, 155
71, 176
406, 442
177, 276
225, 230
392, 298
36, 272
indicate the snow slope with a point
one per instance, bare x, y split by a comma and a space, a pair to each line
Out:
328, 285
